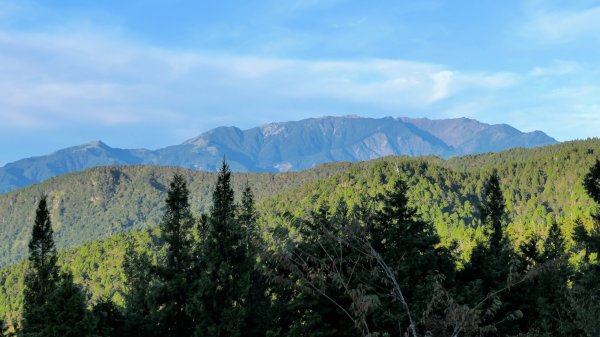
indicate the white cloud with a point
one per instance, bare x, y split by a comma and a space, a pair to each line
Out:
557, 68
441, 85
95, 79
561, 26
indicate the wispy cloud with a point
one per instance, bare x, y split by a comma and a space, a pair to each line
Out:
90, 78
559, 25
557, 68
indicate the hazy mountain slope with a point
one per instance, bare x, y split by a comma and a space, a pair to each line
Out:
32, 170
289, 146
307, 143
468, 136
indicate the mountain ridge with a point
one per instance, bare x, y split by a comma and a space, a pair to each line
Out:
287, 146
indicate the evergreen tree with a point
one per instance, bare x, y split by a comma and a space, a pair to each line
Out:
66, 311
591, 182
487, 277
492, 209
139, 308
591, 239
258, 316
554, 246
110, 321
309, 300
53, 304
409, 246
247, 216
43, 273
175, 275
220, 303
584, 296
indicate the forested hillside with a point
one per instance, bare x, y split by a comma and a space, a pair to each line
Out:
540, 186
103, 201
108, 200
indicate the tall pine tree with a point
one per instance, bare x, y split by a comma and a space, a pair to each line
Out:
139, 308
584, 299
487, 277
409, 246
43, 273
258, 317
175, 275
53, 304
220, 304
492, 209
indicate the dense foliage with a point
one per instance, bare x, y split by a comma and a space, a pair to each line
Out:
104, 201
390, 247
53, 304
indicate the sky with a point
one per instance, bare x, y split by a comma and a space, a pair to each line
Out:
153, 73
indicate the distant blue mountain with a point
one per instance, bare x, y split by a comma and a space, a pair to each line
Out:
288, 146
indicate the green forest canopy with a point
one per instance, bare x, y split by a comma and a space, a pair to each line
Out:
539, 186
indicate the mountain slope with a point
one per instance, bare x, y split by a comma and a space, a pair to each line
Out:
32, 170
289, 146
468, 136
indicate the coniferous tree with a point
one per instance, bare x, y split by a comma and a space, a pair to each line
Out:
487, 277
220, 303
110, 321
554, 246
591, 239
139, 307
258, 314
43, 274
174, 276
490, 260
309, 300
584, 299
492, 209
53, 304
408, 245
66, 311
543, 299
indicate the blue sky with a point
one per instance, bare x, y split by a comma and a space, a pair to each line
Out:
155, 73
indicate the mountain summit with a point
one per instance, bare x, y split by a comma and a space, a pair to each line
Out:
288, 146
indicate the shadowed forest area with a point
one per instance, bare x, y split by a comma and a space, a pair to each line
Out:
370, 264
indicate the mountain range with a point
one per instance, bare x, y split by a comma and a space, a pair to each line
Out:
288, 146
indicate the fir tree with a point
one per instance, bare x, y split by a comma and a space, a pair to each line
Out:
591, 182
554, 246
110, 321
591, 239
53, 304
492, 209
139, 307
408, 245
220, 304
488, 274
257, 319
584, 296
247, 217
66, 311
174, 276
43, 275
